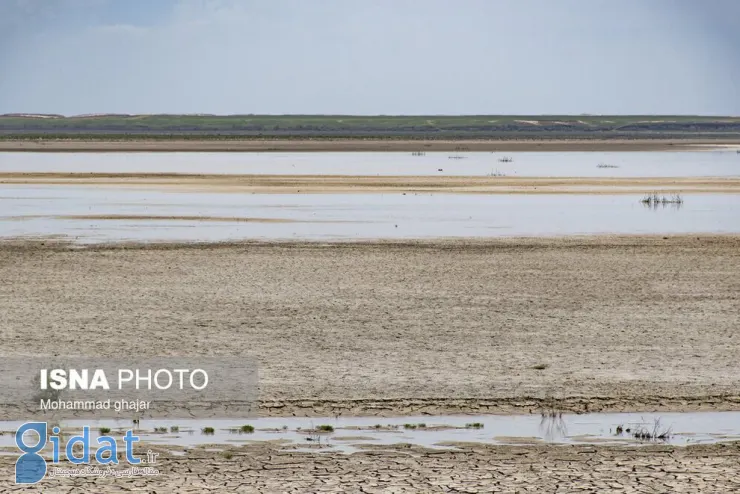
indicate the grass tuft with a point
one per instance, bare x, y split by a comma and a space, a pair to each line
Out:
474, 425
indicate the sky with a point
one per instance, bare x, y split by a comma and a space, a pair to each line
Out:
390, 57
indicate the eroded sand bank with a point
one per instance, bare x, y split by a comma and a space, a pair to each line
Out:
343, 184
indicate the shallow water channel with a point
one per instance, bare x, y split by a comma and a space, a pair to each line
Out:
90, 214
357, 433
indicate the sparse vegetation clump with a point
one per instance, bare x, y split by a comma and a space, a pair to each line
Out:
474, 425
246, 429
325, 428
506, 159
160, 430
552, 424
654, 199
209, 431
104, 430
175, 428
643, 433
415, 426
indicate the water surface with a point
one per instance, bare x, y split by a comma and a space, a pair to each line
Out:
93, 214
719, 163
439, 432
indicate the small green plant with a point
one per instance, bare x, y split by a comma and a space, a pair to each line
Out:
409, 426
378, 426
104, 430
175, 428
325, 428
208, 430
421, 426
246, 429
228, 455
474, 425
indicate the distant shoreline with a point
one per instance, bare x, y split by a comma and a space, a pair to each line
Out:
79, 145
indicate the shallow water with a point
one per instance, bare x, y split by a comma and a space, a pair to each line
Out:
719, 163
80, 212
440, 431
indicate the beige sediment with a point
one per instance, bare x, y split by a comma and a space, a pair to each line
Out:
324, 184
406, 468
414, 327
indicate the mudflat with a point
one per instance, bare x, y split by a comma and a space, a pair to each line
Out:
379, 328
76, 144
472, 468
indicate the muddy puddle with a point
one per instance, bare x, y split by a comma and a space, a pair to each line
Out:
361, 433
91, 214
717, 163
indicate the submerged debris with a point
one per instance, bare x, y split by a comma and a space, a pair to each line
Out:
642, 433
654, 199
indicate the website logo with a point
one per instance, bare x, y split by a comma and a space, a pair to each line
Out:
32, 437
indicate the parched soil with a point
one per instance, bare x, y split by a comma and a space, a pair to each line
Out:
472, 469
75, 144
591, 323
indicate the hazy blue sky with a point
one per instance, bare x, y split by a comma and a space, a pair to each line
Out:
370, 56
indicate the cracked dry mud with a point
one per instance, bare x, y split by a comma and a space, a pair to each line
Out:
384, 328
480, 469
619, 323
